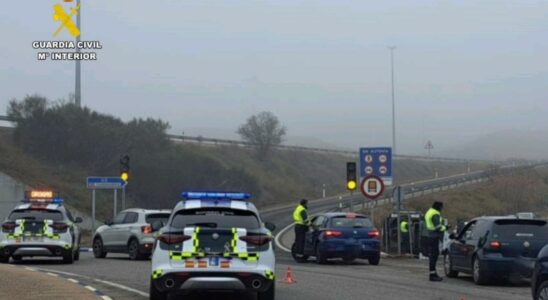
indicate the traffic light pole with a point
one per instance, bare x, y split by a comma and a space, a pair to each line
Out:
115, 206
124, 198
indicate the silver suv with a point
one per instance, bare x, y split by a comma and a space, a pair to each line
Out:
213, 241
129, 232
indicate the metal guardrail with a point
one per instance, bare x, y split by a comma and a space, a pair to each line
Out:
215, 141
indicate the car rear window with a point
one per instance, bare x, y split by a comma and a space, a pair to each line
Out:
151, 218
355, 222
518, 229
215, 218
36, 214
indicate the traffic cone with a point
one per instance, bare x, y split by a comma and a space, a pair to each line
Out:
289, 278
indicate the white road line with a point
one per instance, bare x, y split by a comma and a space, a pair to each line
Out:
91, 288
52, 274
279, 235
73, 280
106, 298
116, 285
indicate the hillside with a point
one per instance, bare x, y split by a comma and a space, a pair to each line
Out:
60, 145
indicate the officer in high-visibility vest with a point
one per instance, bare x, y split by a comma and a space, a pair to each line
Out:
300, 216
436, 230
404, 229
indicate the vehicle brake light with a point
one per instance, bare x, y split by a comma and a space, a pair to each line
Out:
333, 233
146, 229
495, 245
257, 240
170, 238
9, 226
374, 233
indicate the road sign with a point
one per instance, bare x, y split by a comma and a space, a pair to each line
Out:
376, 161
372, 187
107, 183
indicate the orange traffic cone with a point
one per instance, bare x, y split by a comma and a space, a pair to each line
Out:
289, 278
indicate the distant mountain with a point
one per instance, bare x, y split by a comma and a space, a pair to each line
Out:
504, 145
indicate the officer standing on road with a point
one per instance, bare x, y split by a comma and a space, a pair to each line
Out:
300, 216
436, 230
404, 229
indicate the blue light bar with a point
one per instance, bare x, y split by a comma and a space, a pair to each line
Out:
44, 201
215, 196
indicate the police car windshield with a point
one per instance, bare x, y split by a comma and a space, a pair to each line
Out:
36, 214
215, 218
344, 222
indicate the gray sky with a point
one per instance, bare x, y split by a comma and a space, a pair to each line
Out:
463, 68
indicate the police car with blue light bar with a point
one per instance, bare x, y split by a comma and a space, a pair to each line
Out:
213, 241
40, 226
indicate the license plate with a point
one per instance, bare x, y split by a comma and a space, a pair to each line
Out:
32, 239
214, 261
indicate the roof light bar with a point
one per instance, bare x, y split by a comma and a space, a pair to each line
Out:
215, 196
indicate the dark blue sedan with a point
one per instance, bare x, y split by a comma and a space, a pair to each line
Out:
343, 235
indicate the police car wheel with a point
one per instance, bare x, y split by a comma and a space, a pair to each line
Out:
155, 294
68, 258
98, 250
269, 294
4, 259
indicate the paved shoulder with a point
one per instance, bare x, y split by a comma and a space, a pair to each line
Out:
22, 284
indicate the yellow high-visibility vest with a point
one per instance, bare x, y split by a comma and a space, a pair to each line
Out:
428, 218
297, 217
404, 226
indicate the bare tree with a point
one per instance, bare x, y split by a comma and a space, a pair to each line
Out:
263, 131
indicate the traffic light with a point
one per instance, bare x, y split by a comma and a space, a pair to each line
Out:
124, 167
351, 180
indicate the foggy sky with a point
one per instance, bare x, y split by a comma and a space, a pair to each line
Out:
463, 68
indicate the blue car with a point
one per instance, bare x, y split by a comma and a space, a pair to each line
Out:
539, 282
342, 235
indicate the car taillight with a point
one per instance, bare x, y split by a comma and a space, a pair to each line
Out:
9, 226
333, 233
59, 226
495, 245
146, 229
170, 238
374, 233
257, 240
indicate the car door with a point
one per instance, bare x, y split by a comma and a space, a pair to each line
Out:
109, 235
125, 229
311, 236
459, 249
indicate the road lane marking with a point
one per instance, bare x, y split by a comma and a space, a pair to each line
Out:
90, 288
278, 237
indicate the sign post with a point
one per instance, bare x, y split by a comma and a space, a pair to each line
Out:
104, 183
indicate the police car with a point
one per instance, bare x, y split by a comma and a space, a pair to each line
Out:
213, 241
41, 226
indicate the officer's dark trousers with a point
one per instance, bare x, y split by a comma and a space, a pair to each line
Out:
433, 252
300, 231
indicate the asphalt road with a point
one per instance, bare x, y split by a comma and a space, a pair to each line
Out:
392, 279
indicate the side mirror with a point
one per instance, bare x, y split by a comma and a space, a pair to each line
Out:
452, 236
78, 220
270, 226
157, 225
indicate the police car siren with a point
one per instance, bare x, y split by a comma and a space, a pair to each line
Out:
216, 196
42, 196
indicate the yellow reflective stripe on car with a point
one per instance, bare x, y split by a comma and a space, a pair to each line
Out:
240, 251
157, 273
270, 275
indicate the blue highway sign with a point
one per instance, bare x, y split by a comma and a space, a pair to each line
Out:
376, 161
105, 183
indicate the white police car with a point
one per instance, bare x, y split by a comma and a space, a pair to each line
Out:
41, 226
213, 241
